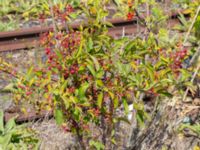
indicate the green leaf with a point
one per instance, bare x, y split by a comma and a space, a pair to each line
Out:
73, 15
59, 116
37, 146
108, 24
5, 141
165, 60
124, 120
100, 100
116, 102
31, 81
66, 101
63, 87
130, 45
1, 122
96, 144
197, 27
10, 125
99, 74
96, 63
91, 69
195, 128
183, 20
77, 113
83, 89
164, 93
125, 106
150, 71
29, 73
99, 83
140, 117
90, 44
8, 88
113, 141
185, 75
80, 49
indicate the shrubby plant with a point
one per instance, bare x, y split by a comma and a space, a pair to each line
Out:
88, 75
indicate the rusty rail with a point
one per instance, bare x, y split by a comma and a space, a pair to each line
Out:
26, 117
29, 38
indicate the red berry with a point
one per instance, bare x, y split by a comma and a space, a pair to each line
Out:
59, 36
21, 87
71, 90
130, 15
28, 93
47, 50
42, 17
59, 68
72, 71
51, 58
49, 68
182, 55
66, 74
69, 9
65, 128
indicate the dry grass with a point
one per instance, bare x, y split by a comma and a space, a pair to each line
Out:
53, 137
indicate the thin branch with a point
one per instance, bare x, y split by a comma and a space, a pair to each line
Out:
195, 56
142, 20
191, 26
192, 80
53, 17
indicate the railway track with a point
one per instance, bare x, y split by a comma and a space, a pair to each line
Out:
26, 117
29, 38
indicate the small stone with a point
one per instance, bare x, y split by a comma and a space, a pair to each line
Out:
187, 120
188, 99
196, 101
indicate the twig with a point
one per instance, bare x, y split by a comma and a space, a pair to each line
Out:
142, 20
195, 56
54, 23
147, 10
191, 26
192, 80
53, 17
